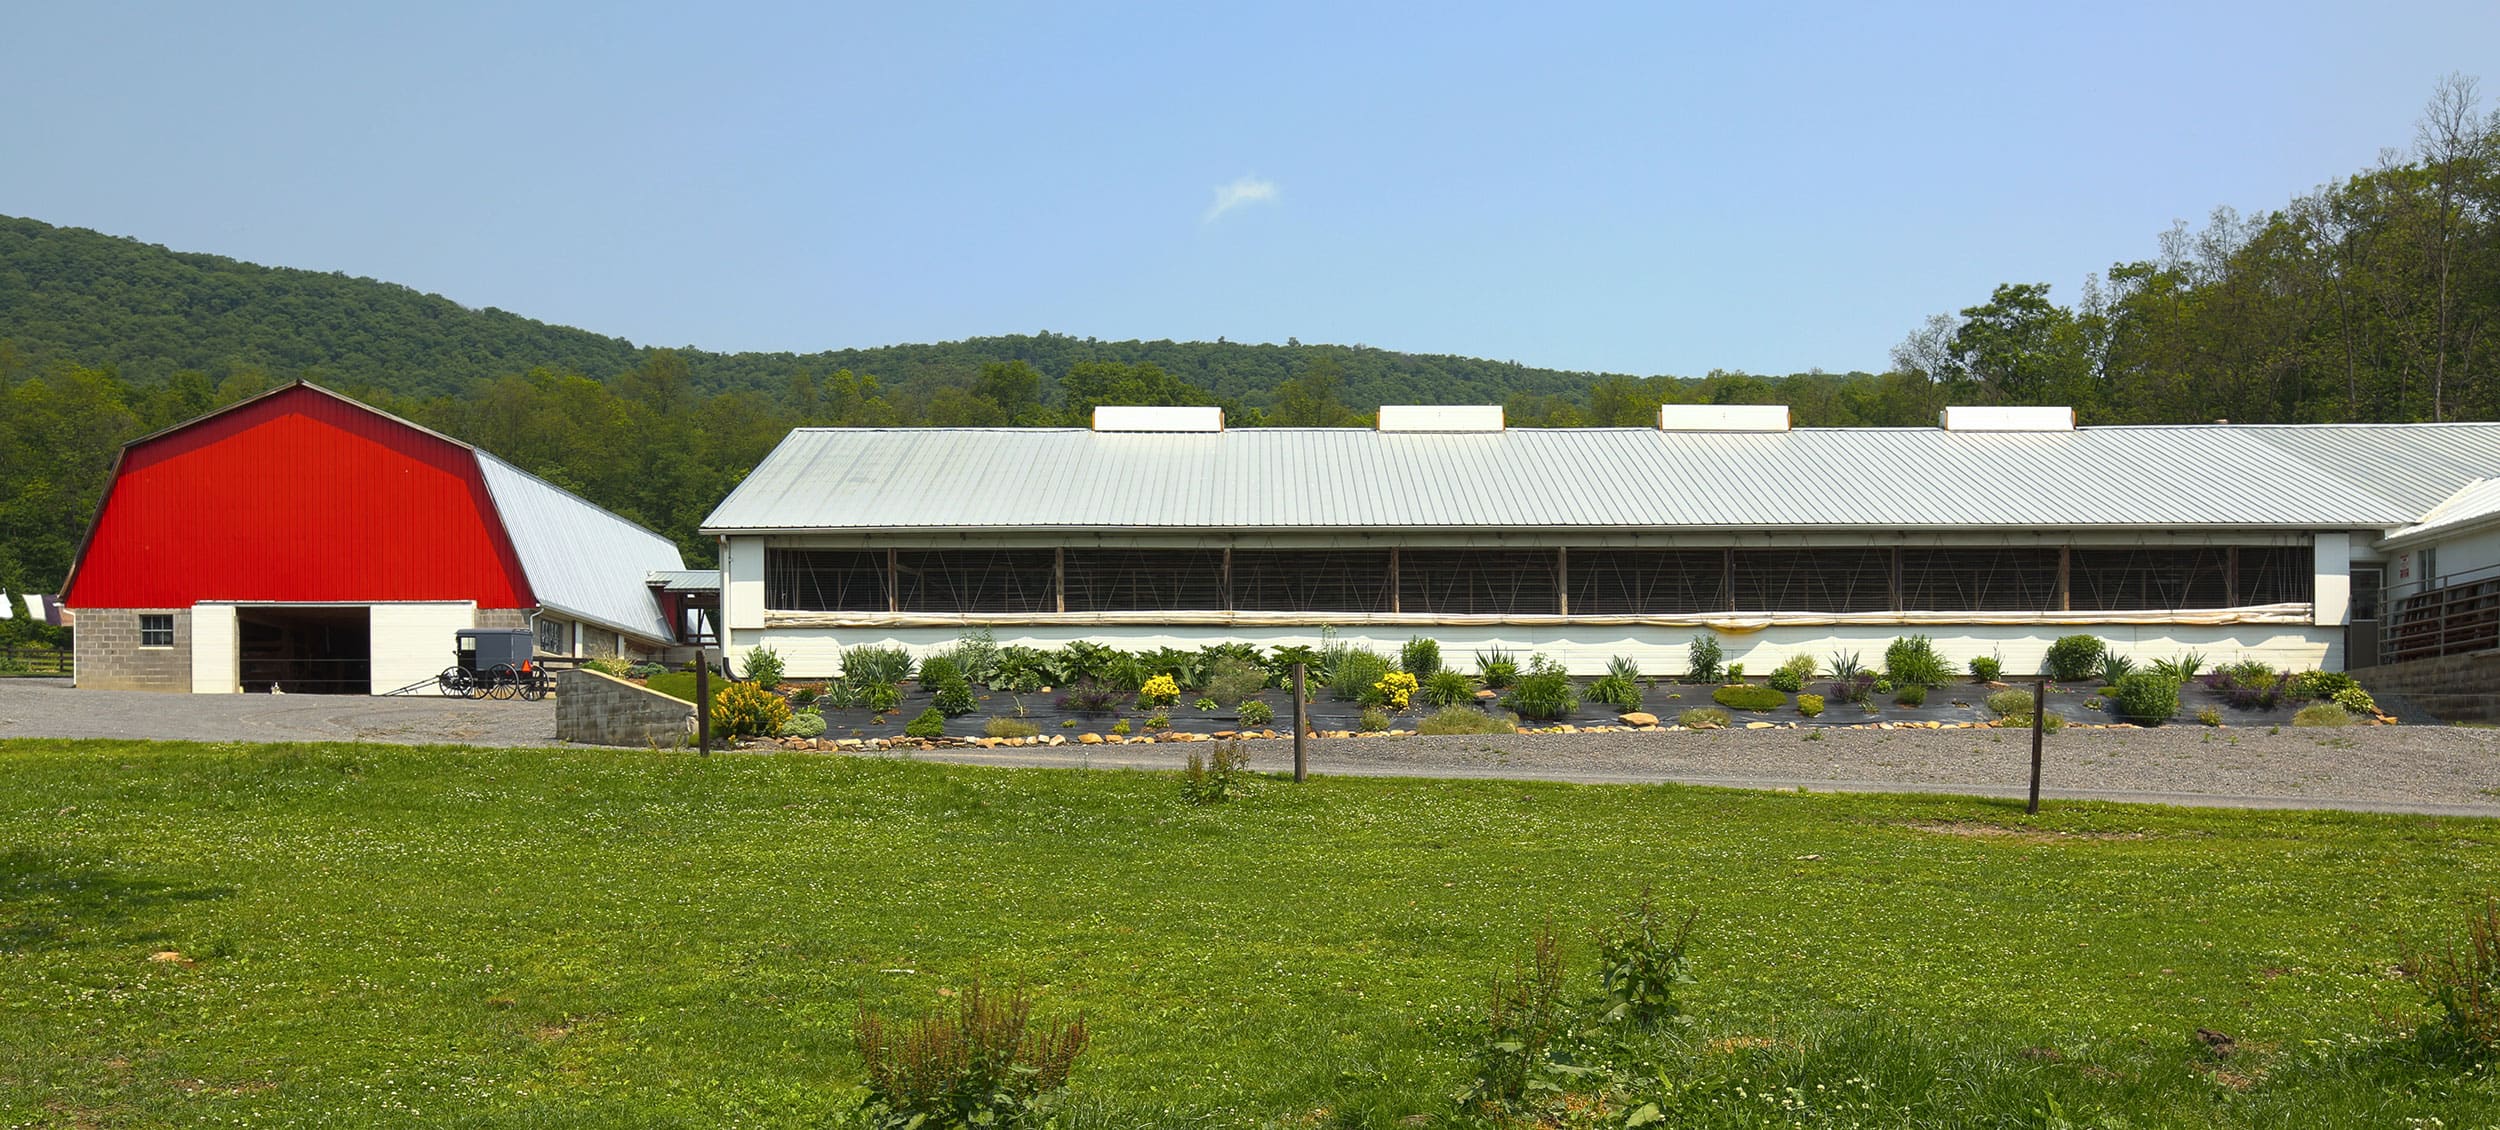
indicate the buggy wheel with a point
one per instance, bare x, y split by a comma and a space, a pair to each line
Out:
503, 682
455, 682
533, 687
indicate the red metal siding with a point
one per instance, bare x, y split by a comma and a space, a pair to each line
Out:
299, 496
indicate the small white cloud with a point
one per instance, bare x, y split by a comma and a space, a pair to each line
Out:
1247, 190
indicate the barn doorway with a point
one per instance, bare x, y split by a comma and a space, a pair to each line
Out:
305, 650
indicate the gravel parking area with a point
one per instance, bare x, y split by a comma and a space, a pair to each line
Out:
2415, 768
51, 708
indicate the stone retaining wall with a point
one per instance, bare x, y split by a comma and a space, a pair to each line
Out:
596, 709
2454, 688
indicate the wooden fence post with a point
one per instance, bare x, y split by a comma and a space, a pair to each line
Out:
1301, 729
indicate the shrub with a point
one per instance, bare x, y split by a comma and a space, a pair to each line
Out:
2318, 684
1210, 779
2209, 716
1394, 690
1090, 698
983, 1061
2073, 657
804, 724
2011, 703
1357, 671
882, 698
763, 667
2462, 979
1010, 728
1881, 685
2181, 667
746, 710
1986, 668
1496, 669
614, 668
1155, 722
1256, 713
1206, 703
2321, 714
1161, 690
1913, 660
1449, 687
1702, 718
1078, 660
1420, 657
930, 724
1543, 693
1463, 720
803, 696
1702, 658
955, 700
1120, 727
1280, 665
1912, 695
1810, 705
2145, 698
976, 655
2354, 700
675, 684
1023, 670
1792, 675
1372, 720
1735, 673
1640, 963
1745, 696
645, 670
939, 671
1231, 678
2248, 686
868, 663
2115, 667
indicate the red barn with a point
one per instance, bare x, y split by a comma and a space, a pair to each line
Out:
306, 541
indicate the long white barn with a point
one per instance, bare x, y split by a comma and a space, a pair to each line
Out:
1994, 533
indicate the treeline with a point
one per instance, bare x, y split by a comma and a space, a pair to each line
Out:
2373, 299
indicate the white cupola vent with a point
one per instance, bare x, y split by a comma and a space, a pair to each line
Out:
1440, 417
1723, 417
1138, 418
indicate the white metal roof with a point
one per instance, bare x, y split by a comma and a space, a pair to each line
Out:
2326, 476
582, 561
2473, 506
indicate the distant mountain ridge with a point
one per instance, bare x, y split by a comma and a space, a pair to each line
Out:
83, 297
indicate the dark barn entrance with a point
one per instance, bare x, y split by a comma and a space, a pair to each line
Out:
305, 650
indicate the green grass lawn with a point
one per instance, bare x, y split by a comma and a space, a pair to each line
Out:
396, 936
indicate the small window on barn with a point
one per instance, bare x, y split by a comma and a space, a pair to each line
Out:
976, 580
825, 580
2276, 574
156, 629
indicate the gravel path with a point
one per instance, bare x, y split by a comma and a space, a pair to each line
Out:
2430, 769
51, 708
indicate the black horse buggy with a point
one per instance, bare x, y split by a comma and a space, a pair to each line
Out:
494, 663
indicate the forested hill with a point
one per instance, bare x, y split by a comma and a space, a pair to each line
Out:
68, 295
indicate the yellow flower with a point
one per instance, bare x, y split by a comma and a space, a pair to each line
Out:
1162, 690
1397, 688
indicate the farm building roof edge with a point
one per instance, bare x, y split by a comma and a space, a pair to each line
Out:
2157, 476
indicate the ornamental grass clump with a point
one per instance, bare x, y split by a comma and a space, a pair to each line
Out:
1496, 668
980, 1060
1914, 661
1619, 687
2322, 714
1449, 687
1357, 670
745, 710
869, 663
1464, 720
1010, 728
1544, 693
1913, 694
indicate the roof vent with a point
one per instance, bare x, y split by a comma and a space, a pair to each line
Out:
2007, 418
1132, 418
1440, 417
1723, 417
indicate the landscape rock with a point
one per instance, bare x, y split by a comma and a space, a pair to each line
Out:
1089, 739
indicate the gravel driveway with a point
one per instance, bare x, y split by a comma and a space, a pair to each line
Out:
2429, 769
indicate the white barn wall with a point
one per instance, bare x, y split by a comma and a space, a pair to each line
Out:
2461, 554
814, 653
413, 642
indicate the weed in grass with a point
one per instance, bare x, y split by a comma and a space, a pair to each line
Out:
1812, 736
2322, 714
1525, 1015
1641, 963
979, 1060
1253, 712
1215, 777
1464, 720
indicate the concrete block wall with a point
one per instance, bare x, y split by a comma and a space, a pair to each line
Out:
110, 658
596, 709
2454, 688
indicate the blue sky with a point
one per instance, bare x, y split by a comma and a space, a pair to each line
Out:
1637, 188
